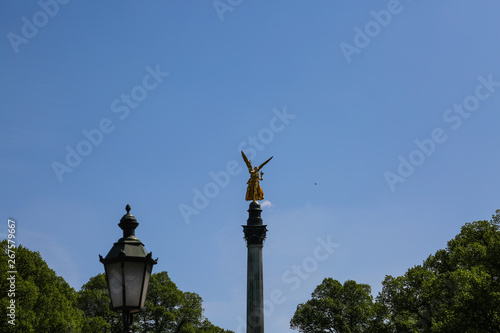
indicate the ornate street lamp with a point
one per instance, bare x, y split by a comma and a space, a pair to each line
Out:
128, 267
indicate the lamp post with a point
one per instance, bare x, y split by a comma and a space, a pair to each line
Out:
128, 267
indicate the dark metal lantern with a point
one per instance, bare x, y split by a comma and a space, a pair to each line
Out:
128, 268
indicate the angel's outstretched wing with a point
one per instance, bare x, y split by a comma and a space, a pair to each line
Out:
249, 165
260, 167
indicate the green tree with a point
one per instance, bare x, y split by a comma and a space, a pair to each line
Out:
167, 309
408, 300
207, 327
336, 308
93, 300
455, 290
44, 302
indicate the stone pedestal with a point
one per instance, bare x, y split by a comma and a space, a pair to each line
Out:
255, 233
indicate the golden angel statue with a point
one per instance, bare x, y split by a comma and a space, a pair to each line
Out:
254, 191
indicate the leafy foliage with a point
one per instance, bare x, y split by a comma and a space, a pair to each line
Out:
455, 290
93, 300
167, 309
335, 308
44, 301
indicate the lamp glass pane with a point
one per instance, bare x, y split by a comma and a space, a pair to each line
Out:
146, 284
114, 273
134, 274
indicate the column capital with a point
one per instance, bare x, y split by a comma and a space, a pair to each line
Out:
255, 234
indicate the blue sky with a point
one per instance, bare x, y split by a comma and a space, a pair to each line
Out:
382, 118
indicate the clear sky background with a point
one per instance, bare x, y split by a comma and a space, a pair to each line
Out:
337, 91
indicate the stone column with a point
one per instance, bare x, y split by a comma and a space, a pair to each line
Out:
255, 233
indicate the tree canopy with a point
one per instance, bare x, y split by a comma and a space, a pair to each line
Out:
455, 290
335, 308
167, 309
45, 303
458, 287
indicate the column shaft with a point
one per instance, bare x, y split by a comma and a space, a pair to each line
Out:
255, 233
255, 290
